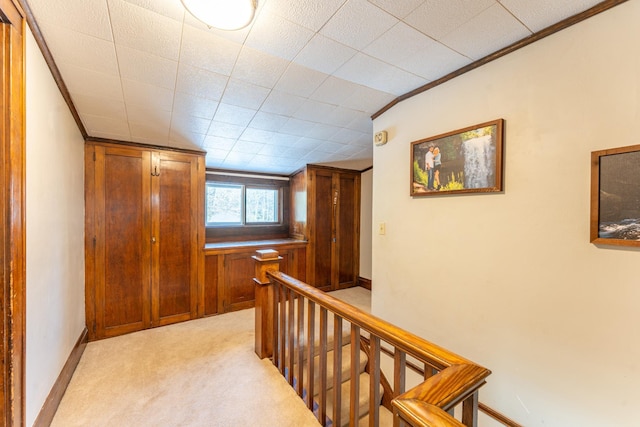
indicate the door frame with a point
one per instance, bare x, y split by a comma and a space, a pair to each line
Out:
12, 212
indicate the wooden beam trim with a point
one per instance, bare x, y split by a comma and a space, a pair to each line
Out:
566, 23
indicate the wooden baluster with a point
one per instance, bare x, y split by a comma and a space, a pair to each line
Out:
322, 395
300, 345
399, 380
283, 330
311, 338
374, 382
470, 410
337, 369
354, 398
275, 338
291, 335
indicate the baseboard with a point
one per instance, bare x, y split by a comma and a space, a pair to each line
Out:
365, 283
45, 417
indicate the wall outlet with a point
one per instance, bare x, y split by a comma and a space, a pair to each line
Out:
382, 228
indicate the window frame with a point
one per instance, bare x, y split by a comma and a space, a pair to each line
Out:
251, 231
243, 204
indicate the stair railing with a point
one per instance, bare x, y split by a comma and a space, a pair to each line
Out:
293, 328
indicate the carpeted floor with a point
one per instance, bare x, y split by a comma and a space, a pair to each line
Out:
202, 372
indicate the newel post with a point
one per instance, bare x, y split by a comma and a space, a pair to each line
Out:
267, 259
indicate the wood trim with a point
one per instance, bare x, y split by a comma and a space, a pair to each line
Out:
566, 23
51, 63
12, 214
117, 142
365, 283
45, 417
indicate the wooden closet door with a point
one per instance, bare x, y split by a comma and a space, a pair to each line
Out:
348, 233
122, 240
323, 228
174, 237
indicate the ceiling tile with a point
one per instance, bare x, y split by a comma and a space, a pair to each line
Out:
147, 68
434, 61
437, 18
237, 160
322, 131
314, 111
198, 82
225, 130
82, 81
346, 136
259, 68
105, 124
85, 16
214, 153
268, 121
362, 124
247, 147
186, 139
149, 132
399, 9
282, 103
203, 49
397, 44
170, 8
341, 117
324, 54
271, 150
311, 14
146, 114
219, 143
334, 91
234, 115
237, 36
283, 140
368, 100
194, 105
297, 127
379, 75
99, 106
352, 24
277, 36
142, 29
486, 33
300, 80
142, 94
184, 124
544, 13
244, 94
80, 49
257, 135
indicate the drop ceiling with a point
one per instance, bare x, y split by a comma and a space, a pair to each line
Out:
297, 86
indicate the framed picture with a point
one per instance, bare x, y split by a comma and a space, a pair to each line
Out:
467, 160
615, 196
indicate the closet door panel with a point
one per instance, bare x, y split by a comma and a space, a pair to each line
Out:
346, 231
174, 250
122, 241
323, 229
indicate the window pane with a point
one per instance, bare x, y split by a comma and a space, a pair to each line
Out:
224, 204
261, 205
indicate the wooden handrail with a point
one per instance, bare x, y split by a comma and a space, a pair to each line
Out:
455, 380
439, 357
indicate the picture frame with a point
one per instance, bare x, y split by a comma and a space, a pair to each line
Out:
470, 161
615, 196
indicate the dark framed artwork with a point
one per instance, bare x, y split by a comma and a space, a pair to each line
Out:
467, 160
615, 196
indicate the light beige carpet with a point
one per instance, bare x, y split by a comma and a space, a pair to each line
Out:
202, 372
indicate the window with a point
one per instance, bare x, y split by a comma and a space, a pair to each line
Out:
239, 204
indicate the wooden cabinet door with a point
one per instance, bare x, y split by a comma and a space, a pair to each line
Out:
121, 225
322, 228
174, 238
239, 287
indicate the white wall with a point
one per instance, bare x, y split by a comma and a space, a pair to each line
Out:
55, 231
510, 280
366, 206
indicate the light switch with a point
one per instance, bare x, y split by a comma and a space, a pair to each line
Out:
382, 228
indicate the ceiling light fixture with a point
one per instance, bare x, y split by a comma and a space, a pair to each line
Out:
222, 14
